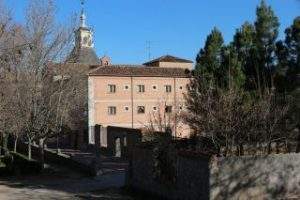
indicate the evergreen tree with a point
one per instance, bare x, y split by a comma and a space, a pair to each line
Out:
266, 27
288, 54
292, 41
208, 61
232, 66
244, 43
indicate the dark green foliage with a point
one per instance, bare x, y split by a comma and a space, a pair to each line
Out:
266, 27
292, 41
232, 68
244, 43
208, 61
164, 159
249, 66
256, 46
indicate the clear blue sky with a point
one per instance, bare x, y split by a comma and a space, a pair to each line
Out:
177, 27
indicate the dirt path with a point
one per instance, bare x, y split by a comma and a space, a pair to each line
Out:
55, 187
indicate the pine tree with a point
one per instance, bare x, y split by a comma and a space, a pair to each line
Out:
232, 66
292, 41
208, 61
280, 80
244, 43
266, 27
288, 54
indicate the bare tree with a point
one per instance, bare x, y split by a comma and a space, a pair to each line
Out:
10, 45
165, 119
39, 103
236, 121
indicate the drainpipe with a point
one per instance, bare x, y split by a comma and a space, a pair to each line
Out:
131, 87
175, 109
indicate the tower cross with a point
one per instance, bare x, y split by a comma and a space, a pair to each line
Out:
82, 16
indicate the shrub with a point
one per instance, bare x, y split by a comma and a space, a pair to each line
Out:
19, 164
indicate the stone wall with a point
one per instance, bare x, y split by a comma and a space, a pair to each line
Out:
192, 176
52, 157
113, 139
259, 177
198, 177
128, 139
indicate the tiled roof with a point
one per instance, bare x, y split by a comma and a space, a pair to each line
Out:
83, 56
168, 58
140, 71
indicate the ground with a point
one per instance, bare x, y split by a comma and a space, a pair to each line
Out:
66, 184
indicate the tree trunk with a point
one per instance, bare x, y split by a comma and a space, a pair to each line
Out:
29, 149
298, 139
269, 147
15, 144
41, 152
5, 143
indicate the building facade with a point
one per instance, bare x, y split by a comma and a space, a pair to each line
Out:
140, 96
144, 96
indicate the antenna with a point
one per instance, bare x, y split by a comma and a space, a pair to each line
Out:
148, 47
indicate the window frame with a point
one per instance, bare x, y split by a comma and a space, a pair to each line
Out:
138, 109
110, 86
168, 88
140, 88
168, 110
111, 108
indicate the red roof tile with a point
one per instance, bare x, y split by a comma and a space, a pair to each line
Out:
140, 71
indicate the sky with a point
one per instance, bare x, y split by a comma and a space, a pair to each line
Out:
125, 29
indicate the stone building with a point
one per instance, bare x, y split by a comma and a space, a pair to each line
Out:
139, 96
130, 96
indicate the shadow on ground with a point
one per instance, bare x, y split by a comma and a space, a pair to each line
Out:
63, 183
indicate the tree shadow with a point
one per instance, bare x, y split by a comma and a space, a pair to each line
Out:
255, 177
59, 186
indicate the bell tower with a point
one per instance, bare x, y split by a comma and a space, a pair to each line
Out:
83, 35
83, 51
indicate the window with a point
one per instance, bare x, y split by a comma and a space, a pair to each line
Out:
180, 87
168, 109
141, 88
111, 88
154, 108
154, 87
112, 110
126, 108
126, 87
141, 109
168, 88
